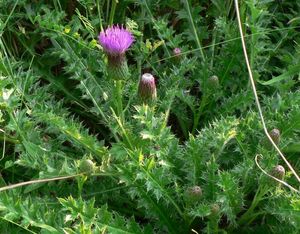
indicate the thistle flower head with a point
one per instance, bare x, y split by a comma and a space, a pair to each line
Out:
147, 87
115, 40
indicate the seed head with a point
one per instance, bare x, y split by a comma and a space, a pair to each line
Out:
147, 88
115, 40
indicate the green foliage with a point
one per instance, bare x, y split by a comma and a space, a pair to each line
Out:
134, 164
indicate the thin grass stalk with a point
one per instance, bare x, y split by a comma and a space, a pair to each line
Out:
112, 12
187, 5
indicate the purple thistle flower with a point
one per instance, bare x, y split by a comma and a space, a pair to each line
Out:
115, 40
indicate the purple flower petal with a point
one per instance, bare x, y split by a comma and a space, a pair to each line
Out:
115, 40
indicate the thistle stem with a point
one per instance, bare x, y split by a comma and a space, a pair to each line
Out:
198, 113
187, 6
213, 225
123, 130
99, 15
261, 191
9, 139
119, 104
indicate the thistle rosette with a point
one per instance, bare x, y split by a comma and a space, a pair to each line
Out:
115, 41
147, 88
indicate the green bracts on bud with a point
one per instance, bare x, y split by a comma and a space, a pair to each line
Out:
147, 88
117, 67
278, 172
215, 209
275, 135
86, 166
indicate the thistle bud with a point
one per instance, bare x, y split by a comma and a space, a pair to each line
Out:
86, 166
213, 82
193, 194
275, 135
147, 88
278, 172
215, 209
177, 52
